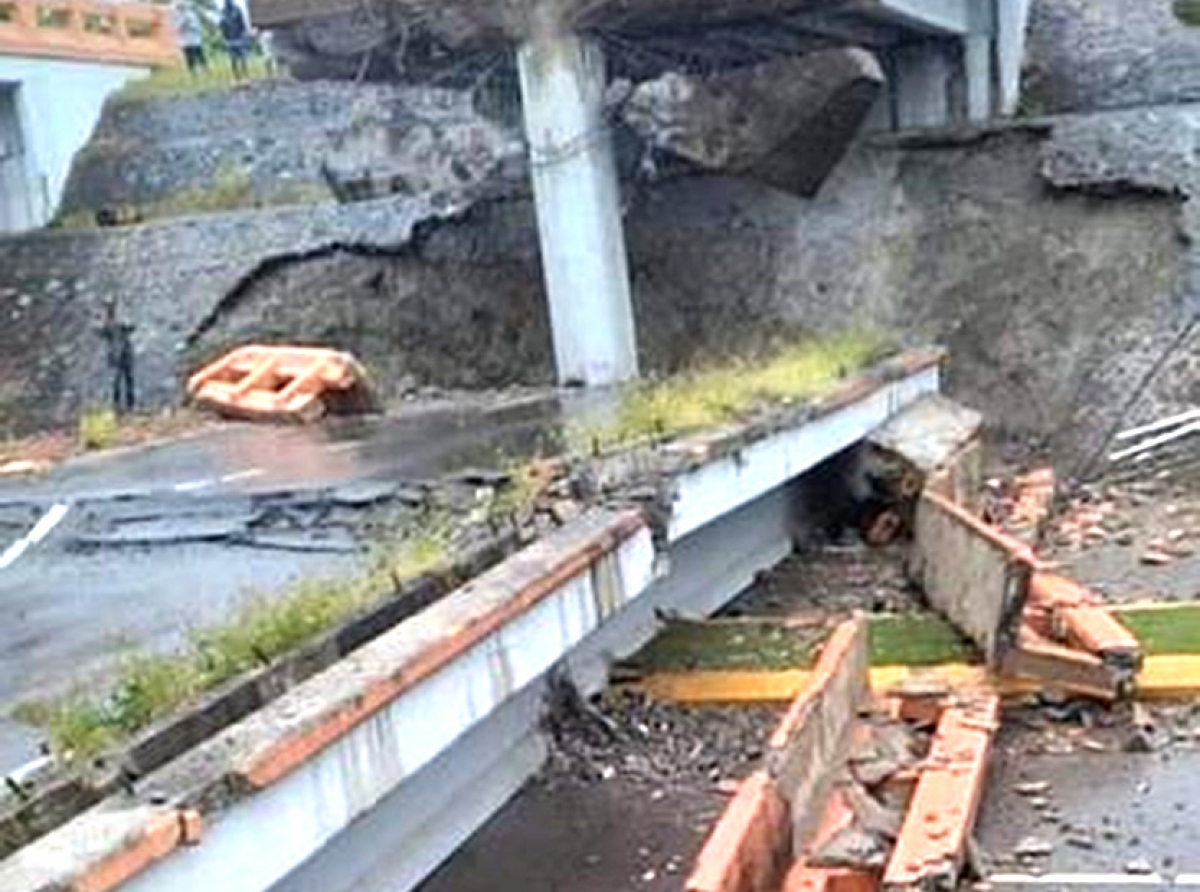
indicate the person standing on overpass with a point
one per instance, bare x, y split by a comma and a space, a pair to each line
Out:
191, 36
236, 33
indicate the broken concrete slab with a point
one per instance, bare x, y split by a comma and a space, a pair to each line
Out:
786, 122
929, 434
973, 574
808, 750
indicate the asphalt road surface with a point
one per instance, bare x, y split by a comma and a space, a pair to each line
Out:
1111, 820
129, 551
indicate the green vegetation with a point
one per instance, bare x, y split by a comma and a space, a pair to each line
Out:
149, 687
98, 429
178, 81
735, 645
516, 499
917, 639
1188, 12
722, 394
769, 645
1165, 630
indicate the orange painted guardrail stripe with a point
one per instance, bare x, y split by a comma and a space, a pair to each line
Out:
266, 767
933, 838
139, 34
162, 835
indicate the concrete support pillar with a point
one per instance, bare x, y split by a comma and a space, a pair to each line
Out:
1012, 22
578, 209
977, 68
923, 76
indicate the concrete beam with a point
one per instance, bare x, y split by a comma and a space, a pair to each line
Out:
843, 29
922, 79
945, 17
578, 209
1012, 21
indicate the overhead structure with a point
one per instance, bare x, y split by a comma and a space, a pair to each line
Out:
936, 62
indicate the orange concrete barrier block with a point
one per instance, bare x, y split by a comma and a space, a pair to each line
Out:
1057, 667
931, 848
298, 384
1079, 618
750, 848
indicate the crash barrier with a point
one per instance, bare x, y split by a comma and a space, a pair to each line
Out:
384, 762
294, 384
138, 34
1029, 623
813, 818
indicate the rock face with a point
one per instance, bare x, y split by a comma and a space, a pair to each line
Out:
271, 143
168, 278
785, 123
1086, 55
439, 146
1054, 266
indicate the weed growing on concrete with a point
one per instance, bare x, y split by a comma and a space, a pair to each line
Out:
1188, 12
150, 687
515, 500
709, 397
98, 429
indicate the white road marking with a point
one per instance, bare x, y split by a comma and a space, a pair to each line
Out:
1088, 880
248, 474
36, 534
192, 485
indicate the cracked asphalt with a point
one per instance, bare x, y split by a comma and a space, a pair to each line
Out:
128, 551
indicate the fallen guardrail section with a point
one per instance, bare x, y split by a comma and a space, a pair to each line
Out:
861, 790
370, 773
1028, 622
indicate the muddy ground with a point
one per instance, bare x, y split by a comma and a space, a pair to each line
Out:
1078, 789
1135, 535
630, 792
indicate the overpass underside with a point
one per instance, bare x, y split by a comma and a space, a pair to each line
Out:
733, 88
946, 60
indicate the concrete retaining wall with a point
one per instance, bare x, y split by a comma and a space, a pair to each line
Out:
58, 103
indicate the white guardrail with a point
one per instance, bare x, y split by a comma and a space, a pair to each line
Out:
367, 776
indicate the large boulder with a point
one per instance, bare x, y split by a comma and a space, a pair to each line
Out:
785, 123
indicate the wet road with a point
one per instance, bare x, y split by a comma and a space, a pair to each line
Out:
111, 553
1101, 815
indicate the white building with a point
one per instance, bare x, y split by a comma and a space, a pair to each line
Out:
58, 64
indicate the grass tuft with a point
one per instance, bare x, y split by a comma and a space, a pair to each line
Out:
150, 687
1188, 12
98, 429
723, 394
178, 81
